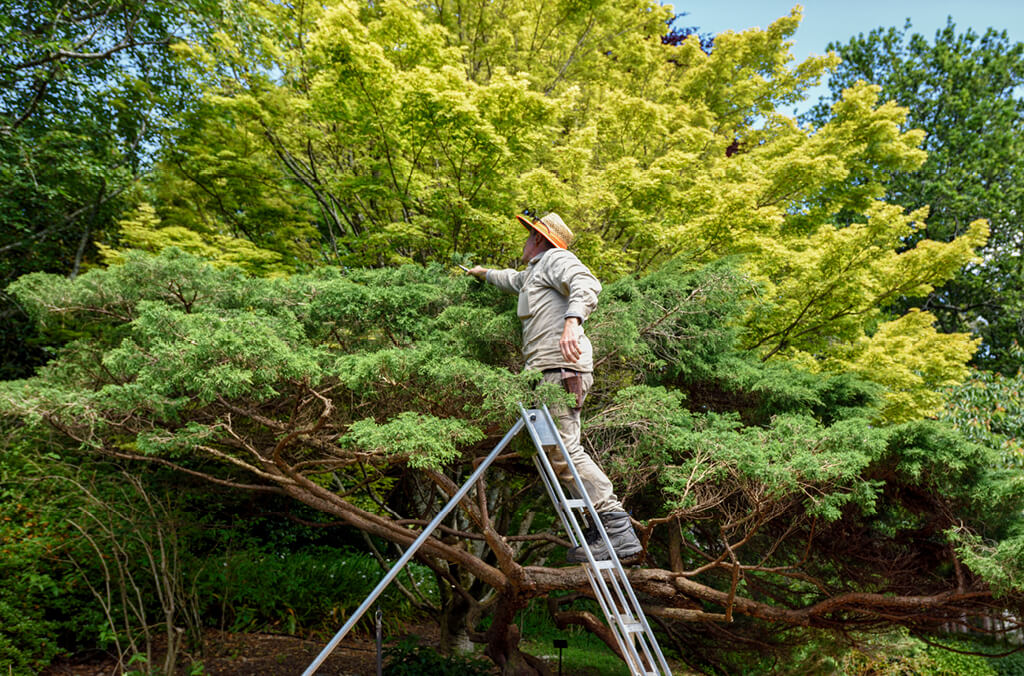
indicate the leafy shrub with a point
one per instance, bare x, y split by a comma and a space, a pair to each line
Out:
409, 658
949, 663
26, 643
900, 654
34, 584
1011, 665
289, 591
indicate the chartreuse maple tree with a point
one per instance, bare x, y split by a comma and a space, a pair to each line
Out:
414, 134
962, 88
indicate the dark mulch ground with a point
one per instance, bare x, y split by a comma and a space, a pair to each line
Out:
237, 654
229, 654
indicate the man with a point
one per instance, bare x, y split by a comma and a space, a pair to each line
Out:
556, 295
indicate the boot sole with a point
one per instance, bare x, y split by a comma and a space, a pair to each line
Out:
623, 559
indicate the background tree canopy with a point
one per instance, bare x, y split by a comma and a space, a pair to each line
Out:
85, 91
962, 89
386, 145
270, 310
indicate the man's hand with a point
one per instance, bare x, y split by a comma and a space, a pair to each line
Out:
478, 272
570, 342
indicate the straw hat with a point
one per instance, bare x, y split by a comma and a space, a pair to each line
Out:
551, 227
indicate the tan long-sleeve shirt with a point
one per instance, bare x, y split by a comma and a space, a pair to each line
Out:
555, 285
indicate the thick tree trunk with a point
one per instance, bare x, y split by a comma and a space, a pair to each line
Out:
454, 612
503, 642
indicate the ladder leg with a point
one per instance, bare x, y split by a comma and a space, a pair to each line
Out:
633, 602
576, 536
397, 568
602, 599
575, 533
556, 492
603, 594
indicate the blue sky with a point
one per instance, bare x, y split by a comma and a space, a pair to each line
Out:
825, 21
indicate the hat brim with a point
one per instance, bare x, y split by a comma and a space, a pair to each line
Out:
532, 225
526, 223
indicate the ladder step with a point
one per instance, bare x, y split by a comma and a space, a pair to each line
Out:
634, 627
604, 565
575, 503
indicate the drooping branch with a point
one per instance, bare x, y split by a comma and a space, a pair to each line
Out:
307, 176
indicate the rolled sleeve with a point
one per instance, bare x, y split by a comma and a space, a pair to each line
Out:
582, 302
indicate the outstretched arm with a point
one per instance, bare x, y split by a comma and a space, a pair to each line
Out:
506, 280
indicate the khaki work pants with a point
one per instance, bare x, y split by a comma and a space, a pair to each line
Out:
599, 488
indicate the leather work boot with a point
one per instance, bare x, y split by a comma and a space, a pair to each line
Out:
620, 531
592, 537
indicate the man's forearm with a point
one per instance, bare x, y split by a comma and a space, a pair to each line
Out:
505, 279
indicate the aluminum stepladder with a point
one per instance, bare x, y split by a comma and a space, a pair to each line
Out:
612, 589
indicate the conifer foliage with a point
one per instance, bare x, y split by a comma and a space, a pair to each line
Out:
768, 494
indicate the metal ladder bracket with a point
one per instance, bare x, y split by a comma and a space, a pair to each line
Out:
547, 433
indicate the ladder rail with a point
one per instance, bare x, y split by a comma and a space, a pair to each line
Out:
602, 599
634, 602
575, 533
570, 524
629, 626
566, 517
427, 532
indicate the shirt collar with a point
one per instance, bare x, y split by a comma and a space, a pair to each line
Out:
537, 258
